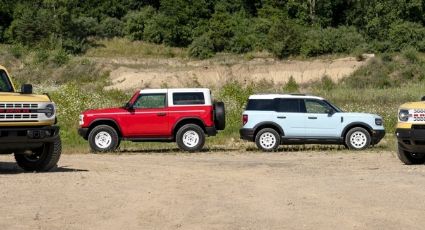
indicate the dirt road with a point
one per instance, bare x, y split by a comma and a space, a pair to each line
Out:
217, 190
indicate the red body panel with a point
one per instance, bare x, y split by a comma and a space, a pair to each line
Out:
150, 122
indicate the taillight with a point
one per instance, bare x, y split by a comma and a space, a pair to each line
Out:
244, 119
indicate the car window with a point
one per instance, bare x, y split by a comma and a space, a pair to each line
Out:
188, 98
149, 101
5, 85
316, 106
260, 105
288, 105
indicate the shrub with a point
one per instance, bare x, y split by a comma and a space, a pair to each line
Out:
202, 47
17, 50
405, 34
59, 57
290, 86
111, 27
135, 22
331, 40
284, 38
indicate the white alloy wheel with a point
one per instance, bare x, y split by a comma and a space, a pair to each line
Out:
267, 140
358, 140
103, 139
190, 138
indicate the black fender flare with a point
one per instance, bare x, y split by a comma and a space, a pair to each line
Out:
269, 123
105, 119
177, 123
356, 124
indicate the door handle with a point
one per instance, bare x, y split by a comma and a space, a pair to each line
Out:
281, 117
161, 114
312, 117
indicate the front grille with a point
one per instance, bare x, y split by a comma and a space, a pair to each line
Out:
18, 117
418, 126
18, 106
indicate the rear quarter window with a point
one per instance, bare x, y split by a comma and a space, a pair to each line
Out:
196, 98
260, 105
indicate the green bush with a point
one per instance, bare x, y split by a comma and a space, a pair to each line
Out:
111, 27
405, 34
135, 22
202, 47
285, 38
291, 86
331, 40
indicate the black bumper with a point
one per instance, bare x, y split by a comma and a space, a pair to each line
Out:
377, 136
411, 140
83, 132
247, 134
17, 138
211, 131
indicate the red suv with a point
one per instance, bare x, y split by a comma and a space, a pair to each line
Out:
162, 115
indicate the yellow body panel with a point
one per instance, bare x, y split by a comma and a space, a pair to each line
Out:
413, 105
17, 97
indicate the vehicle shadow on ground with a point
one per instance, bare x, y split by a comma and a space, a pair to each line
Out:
171, 150
13, 168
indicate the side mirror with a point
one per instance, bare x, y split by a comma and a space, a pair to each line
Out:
330, 112
423, 98
26, 89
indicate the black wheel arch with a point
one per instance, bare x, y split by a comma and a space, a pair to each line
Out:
268, 124
188, 120
104, 121
354, 125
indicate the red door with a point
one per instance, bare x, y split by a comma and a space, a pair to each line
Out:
149, 117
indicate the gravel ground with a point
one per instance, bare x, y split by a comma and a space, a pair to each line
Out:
216, 190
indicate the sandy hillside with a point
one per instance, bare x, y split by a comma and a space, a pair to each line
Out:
216, 190
149, 73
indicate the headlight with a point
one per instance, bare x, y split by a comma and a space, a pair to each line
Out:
81, 121
403, 115
49, 110
378, 121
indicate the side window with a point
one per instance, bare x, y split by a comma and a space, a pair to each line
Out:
5, 85
188, 98
260, 105
150, 101
288, 105
316, 106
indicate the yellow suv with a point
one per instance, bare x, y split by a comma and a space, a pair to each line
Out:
28, 126
410, 132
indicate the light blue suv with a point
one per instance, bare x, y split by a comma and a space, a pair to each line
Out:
274, 119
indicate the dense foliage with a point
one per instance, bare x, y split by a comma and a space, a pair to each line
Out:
283, 27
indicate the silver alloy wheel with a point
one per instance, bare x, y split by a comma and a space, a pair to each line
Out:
103, 140
267, 140
190, 138
358, 139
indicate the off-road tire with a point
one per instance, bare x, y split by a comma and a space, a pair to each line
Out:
267, 140
45, 158
410, 158
187, 133
219, 116
110, 143
357, 138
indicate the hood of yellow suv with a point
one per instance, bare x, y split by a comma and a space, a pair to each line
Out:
413, 105
18, 97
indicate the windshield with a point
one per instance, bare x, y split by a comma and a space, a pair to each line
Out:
5, 85
337, 109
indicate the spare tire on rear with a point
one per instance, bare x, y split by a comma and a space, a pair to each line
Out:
219, 115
